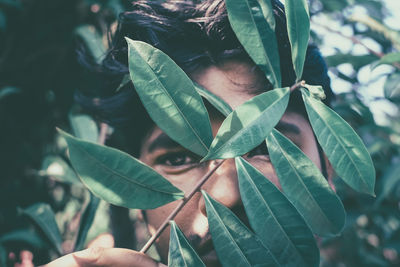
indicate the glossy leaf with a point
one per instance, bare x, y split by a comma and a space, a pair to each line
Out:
180, 252
256, 34
44, 218
86, 221
117, 177
84, 127
214, 100
391, 88
57, 168
306, 187
234, 243
169, 97
275, 220
298, 27
343, 147
249, 124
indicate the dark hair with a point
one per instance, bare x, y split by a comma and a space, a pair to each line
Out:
194, 35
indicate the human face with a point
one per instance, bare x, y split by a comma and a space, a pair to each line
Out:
236, 82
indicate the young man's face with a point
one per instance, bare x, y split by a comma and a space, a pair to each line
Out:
234, 81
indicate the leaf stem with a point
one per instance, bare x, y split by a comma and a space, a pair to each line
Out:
185, 200
103, 133
297, 85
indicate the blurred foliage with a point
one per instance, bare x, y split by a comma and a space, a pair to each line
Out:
39, 73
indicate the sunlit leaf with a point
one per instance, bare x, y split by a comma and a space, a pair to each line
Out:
214, 100
343, 147
86, 221
305, 186
256, 34
181, 252
391, 88
169, 97
84, 127
117, 177
249, 124
298, 26
234, 243
275, 220
57, 168
93, 41
43, 216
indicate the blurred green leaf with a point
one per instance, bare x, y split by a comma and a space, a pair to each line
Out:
57, 168
119, 178
26, 236
169, 97
3, 21
275, 221
253, 23
181, 252
84, 127
125, 80
391, 87
11, 3
298, 26
3, 255
214, 100
93, 41
357, 61
336, 5
389, 59
234, 243
8, 90
43, 216
389, 179
86, 221
306, 187
343, 147
249, 124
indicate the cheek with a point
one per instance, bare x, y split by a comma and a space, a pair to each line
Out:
266, 168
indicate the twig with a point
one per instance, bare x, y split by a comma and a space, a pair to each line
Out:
297, 85
103, 133
164, 225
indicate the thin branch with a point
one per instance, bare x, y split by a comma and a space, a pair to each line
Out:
103, 133
185, 200
297, 85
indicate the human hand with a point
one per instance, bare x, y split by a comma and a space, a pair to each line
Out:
98, 256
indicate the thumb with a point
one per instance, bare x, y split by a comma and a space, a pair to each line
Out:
97, 256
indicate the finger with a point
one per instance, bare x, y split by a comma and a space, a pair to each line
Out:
98, 256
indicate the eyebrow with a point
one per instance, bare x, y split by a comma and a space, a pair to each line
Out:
165, 142
162, 141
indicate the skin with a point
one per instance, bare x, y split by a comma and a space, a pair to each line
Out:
235, 81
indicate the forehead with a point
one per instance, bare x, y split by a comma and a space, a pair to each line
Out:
234, 80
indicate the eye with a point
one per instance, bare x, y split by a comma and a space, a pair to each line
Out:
260, 150
178, 159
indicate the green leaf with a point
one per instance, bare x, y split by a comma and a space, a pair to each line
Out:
389, 181
234, 243
180, 252
125, 80
389, 59
214, 100
43, 216
9, 90
57, 168
93, 41
298, 27
27, 236
306, 187
343, 147
84, 127
249, 124
117, 177
391, 88
3, 255
274, 219
86, 221
169, 97
256, 34
357, 61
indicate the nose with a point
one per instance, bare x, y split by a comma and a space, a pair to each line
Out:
223, 185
